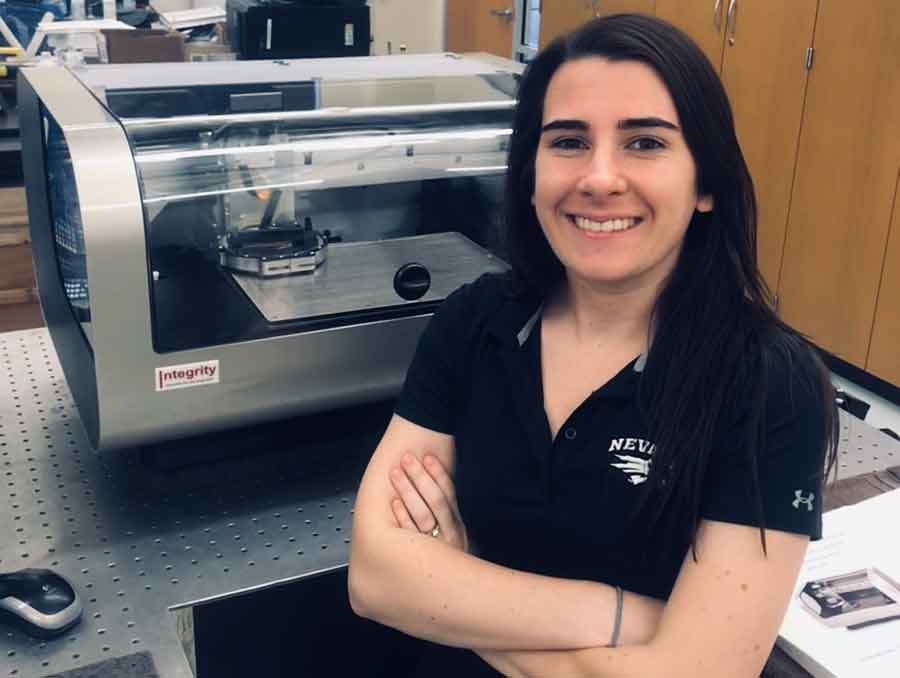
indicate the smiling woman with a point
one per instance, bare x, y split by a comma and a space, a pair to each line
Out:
615, 181
594, 463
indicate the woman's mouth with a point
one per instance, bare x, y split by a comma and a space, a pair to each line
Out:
605, 226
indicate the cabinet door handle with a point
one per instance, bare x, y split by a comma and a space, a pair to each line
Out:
731, 20
717, 20
502, 12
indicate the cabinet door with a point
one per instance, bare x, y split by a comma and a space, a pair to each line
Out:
703, 20
480, 26
884, 352
846, 177
604, 7
764, 71
562, 16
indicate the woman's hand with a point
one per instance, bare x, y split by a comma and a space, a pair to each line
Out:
426, 500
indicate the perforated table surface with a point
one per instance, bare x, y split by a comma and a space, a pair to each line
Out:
138, 542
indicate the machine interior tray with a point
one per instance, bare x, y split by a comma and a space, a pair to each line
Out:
360, 276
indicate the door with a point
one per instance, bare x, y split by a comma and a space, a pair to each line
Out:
480, 26
703, 20
765, 74
846, 178
562, 16
884, 352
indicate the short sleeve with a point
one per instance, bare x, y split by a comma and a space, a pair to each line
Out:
431, 391
790, 459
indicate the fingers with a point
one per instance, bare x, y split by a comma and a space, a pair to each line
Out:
430, 491
423, 488
401, 515
454, 528
436, 470
406, 481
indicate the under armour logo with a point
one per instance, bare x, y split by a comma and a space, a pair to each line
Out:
800, 499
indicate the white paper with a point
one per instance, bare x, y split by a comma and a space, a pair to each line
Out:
855, 538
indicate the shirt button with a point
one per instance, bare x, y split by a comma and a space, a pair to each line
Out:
570, 433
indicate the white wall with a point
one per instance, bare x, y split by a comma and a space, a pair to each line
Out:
420, 25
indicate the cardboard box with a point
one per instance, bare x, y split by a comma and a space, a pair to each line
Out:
144, 46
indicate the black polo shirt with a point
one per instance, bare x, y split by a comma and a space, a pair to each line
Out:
562, 507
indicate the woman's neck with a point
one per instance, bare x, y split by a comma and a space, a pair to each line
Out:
600, 316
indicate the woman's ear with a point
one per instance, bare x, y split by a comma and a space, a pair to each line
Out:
705, 203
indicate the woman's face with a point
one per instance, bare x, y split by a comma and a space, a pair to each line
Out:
615, 182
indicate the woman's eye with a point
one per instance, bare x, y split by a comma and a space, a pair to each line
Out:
646, 144
568, 144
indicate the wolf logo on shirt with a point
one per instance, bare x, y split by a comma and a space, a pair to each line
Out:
636, 468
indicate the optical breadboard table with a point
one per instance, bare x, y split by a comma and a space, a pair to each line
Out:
137, 542
140, 542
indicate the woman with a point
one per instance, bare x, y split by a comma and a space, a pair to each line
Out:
611, 463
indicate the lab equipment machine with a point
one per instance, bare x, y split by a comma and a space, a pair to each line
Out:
219, 244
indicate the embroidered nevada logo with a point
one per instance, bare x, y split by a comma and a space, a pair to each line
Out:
636, 468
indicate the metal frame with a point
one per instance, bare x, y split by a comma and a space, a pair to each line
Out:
520, 51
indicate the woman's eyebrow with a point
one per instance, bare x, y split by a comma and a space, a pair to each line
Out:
579, 125
652, 121
624, 124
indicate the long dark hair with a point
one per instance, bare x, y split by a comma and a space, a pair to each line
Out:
716, 338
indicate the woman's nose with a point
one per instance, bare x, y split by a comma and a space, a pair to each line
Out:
602, 175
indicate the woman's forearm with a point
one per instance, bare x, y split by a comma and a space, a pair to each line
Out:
624, 662
427, 589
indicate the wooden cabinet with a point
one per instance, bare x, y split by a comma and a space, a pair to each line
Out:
823, 147
884, 351
846, 179
480, 26
561, 16
19, 307
762, 62
759, 49
16, 276
820, 130
703, 20
765, 74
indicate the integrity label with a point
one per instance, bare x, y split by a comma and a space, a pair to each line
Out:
184, 376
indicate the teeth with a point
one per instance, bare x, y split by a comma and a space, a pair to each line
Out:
608, 226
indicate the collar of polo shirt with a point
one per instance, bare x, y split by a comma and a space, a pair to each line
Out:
523, 334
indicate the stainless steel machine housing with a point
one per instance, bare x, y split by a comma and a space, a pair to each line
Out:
105, 169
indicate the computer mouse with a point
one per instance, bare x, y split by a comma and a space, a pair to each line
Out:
40, 602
